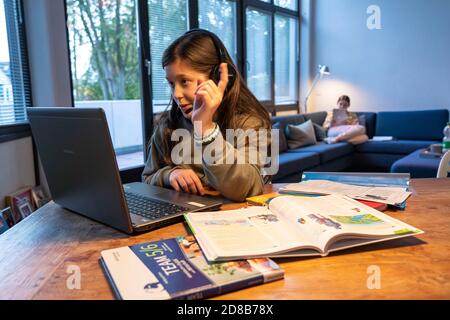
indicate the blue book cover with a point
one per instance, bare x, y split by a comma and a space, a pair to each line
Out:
177, 269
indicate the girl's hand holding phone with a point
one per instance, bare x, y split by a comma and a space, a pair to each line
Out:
208, 97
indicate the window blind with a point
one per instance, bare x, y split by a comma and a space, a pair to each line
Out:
168, 20
15, 94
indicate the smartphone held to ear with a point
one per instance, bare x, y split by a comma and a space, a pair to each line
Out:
215, 75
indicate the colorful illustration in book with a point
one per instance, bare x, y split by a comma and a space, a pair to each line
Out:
361, 219
265, 218
241, 266
262, 264
190, 246
324, 221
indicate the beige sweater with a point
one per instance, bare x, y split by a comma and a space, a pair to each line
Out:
329, 122
233, 181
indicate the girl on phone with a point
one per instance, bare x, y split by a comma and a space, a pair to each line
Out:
206, 91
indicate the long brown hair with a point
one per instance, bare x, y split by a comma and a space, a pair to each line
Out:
198, 50
344, 98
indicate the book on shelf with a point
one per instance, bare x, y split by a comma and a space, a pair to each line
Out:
177, 269
293, 226
264, 199
21, 203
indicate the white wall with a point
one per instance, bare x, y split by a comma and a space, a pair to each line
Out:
403, 66
16, 166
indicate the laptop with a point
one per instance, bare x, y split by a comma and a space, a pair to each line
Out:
80, 165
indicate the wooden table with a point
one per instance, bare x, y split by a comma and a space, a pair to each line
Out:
37, 257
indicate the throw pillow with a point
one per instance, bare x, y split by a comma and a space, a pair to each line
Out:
320, 132
362, 120
301, 135
282, 143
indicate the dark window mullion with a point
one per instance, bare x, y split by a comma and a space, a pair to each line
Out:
193, 14
272, 60
271, 7
241, 38
145, 65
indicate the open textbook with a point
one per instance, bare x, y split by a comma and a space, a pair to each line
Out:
389, 195
293, 226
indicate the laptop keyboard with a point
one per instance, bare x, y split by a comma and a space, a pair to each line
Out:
150, 208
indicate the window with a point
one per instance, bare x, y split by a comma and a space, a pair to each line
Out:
289, 4
219, 16
167, 20
105, 70
259, 54
272, 52
286, 60
14, 77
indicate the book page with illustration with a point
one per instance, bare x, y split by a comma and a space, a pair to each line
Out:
330, 218
292, 226
249, 232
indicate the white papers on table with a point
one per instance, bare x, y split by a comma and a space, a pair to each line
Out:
389, 195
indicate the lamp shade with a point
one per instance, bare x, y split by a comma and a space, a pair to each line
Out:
324, 70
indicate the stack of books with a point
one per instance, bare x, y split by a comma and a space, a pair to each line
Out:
231, 250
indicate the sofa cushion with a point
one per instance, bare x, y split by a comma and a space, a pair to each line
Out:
282, 142
291, 163
393, 147
316, 117
291, 119
417, 166
338, 164
412, 125
300, 135
327, 152
369, 122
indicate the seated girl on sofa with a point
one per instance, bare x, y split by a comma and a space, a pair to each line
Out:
342, 125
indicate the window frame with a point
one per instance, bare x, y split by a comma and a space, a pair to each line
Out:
273, 10
145, 61
15, 131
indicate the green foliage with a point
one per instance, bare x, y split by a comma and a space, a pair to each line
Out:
103, 32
